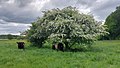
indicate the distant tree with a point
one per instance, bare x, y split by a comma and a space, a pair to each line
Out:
9, 36
3, 37
113, 23
65, 25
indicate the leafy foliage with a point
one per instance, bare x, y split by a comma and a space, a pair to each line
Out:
113, 23
65, 25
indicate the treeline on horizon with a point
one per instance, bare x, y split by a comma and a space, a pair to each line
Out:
10, 37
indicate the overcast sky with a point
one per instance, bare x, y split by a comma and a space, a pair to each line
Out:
17, 15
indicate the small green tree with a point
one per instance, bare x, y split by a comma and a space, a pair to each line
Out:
65, 25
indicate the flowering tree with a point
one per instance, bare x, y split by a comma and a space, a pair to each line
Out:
66, 25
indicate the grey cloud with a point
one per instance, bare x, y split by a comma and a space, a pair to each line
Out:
103, 9
106, 5
88, 3
20, 3
23, 3
62, 3
3, 1
19, 11
12, 28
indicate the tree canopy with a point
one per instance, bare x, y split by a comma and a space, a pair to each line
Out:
113, 23
66, 25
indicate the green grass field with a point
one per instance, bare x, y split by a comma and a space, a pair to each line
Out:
104, 54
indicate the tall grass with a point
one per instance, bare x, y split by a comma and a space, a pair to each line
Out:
104, 54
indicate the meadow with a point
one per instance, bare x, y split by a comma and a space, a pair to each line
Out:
104, 54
